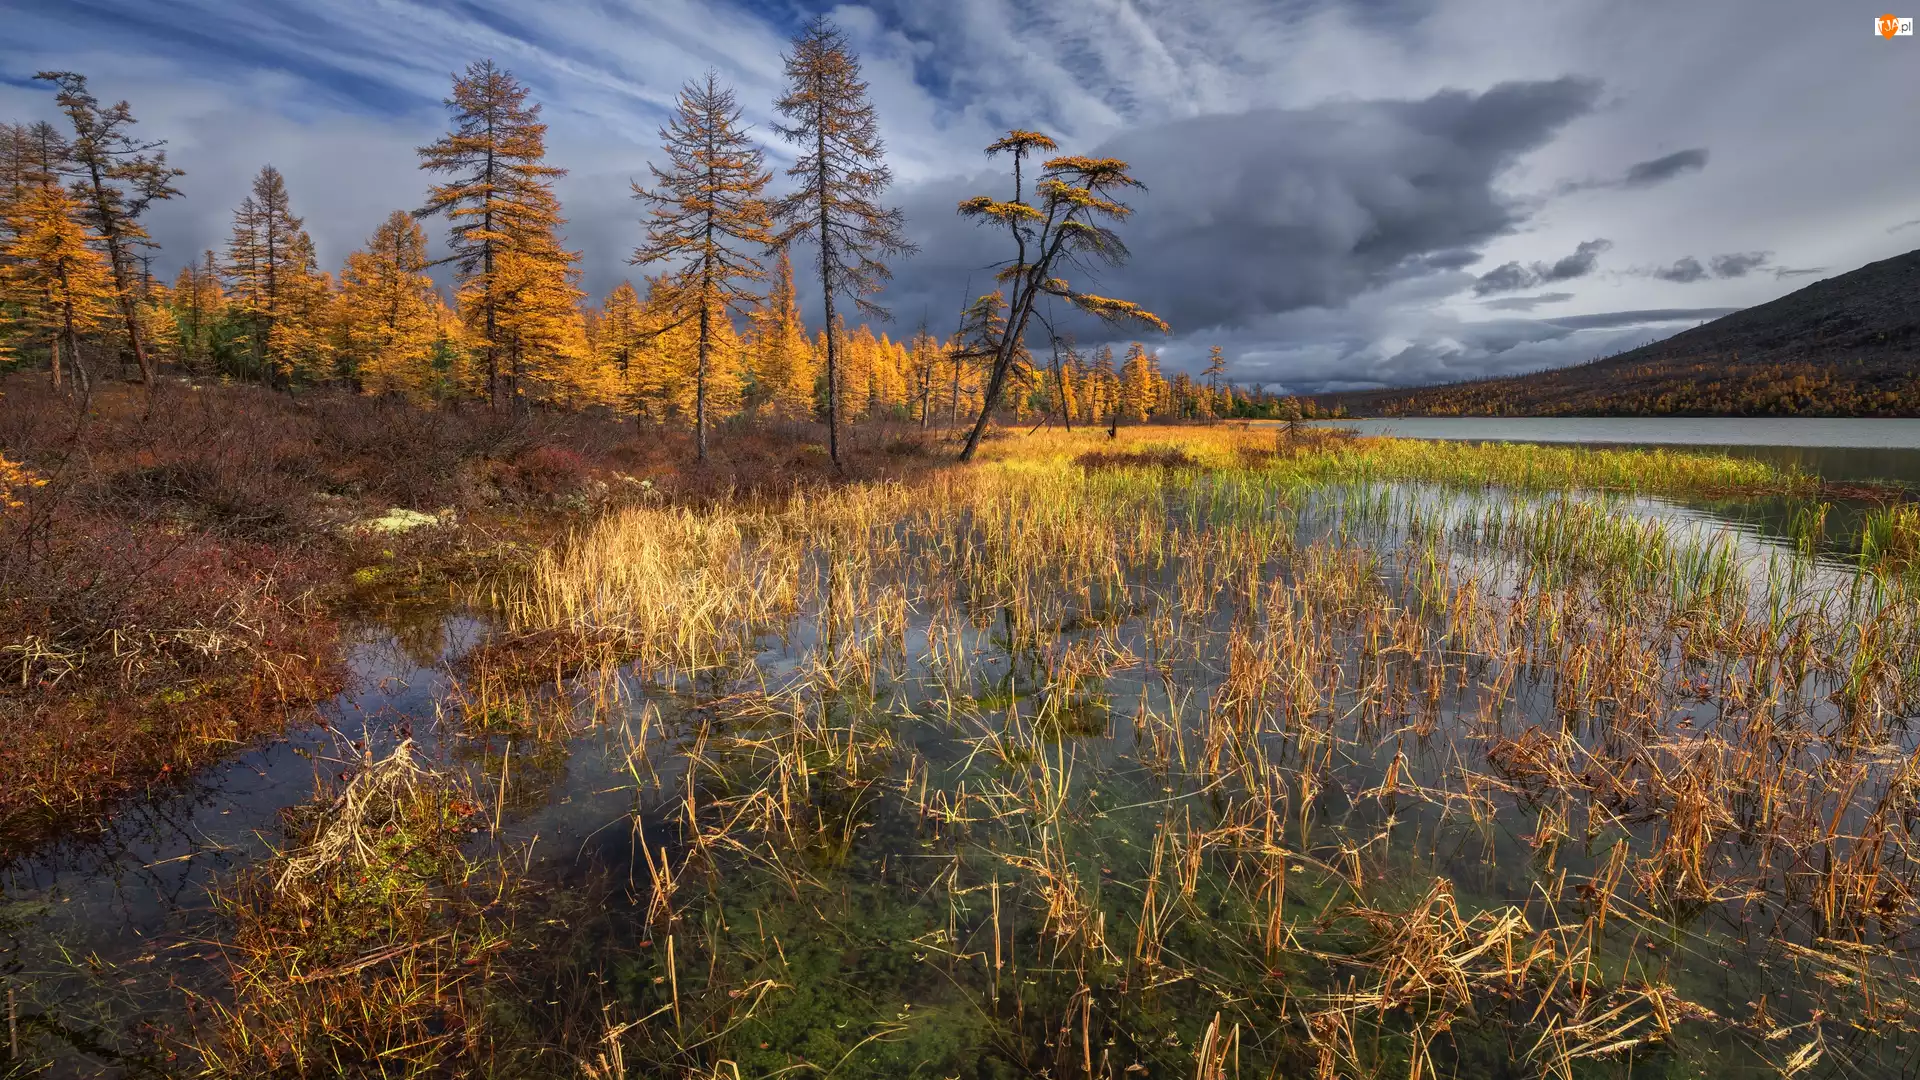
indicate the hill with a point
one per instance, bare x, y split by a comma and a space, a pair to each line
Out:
1842, 346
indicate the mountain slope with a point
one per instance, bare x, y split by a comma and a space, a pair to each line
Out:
1843, 346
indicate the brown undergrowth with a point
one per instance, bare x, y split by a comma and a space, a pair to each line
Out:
178, 559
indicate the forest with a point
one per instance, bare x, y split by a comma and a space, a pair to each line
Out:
710, 335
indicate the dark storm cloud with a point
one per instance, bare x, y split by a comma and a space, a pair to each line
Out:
1512, 277
1274, 210
1527, 303
1643, 174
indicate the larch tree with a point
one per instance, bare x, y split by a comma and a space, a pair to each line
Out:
388, 324
924, 369
842, 174
780, 357
50, 272
622, 340
983, 324
1066, 369
503, 218
1215, 371
1077, 197
117, 178
198, 304
274, 282
706, 207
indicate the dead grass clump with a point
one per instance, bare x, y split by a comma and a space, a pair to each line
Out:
1147, 457
366, 946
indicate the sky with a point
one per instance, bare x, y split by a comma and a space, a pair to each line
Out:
1341, 195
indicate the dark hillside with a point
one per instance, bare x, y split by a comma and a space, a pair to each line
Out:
1842, 346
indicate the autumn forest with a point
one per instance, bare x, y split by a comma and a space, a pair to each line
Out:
710, 335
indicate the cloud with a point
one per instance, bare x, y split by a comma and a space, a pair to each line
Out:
1802, 271
1262, 212
1607, 319
1527, 303
1903, 225
1737, 265
1648, 173
1687, 269
1379, 342
1684, 270
1643, 174
1512, 277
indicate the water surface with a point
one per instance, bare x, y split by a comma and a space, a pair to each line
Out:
1842, 450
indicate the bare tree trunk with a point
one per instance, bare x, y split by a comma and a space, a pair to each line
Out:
700, 387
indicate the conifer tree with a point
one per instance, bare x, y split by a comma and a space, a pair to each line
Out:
925, 370
982, 325
50, 272
842, 175
1076, 196
1066, 382
781, 359
386, 311
622, 338
197, 307
708, 204
275, 283
1137, 392
502, 213
1107, 397
118, 178
1216, 370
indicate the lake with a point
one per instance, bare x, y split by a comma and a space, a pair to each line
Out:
1842, 450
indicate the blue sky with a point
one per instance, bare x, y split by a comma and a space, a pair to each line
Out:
1342, 194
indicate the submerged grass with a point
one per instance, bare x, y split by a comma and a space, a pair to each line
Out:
1212, 752
1147, 746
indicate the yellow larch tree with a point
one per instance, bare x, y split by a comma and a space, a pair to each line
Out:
621, 338
1214, 374
1136, 388
924, 359
387, 319
198, 307
537, 334
516, 292
705, 209
779, 358
275, 284
50, 272
860, 354
118, 178
1076, 197
1103, 388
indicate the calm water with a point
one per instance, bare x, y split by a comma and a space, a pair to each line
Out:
1839, 450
